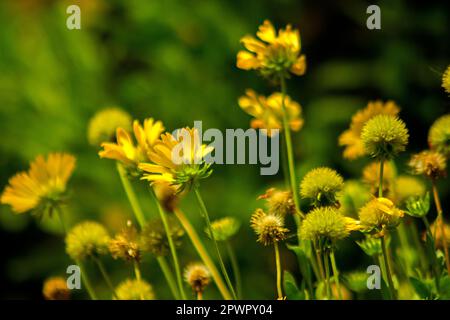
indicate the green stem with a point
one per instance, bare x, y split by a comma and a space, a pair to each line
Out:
173, 250
138, 213
169, 276
388, 268
278, 265
440, 224
208, 225
137, 270
236, 271
319, 262
86, 281
289, 149
432, 253
105, 276
200, 248
327, 275
335, 274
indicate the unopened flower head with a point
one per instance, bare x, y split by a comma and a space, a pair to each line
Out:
126, 150
134, 290
431, 164
371, 246
178, 159
356, 281
371, 176
439, 135
324, 223
378, 215
125, 245
197, 276
225, 228
154, 238
167, 195
43, 187
418, 206
351, 138
446, 80
279, 201
55, 288
321, 186
102, 126
87, 239
268, 227
268, 111
408, 186
384, 136
273, 55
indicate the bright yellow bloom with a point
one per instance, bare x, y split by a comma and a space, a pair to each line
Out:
87, 239
177, 159
148, 134
326, 223
197, 276
42, 187
351, 138
321, 186
279, 201
268, 227
125, 150
273, 54
268, 111
446, 80
379, 214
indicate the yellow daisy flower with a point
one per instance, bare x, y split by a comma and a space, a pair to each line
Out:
268, 111
351, 138
102, 126
42, 187
126, 150
273, 54
177, 159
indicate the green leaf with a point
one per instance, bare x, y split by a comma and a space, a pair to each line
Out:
290, 287
422, 288
444, 288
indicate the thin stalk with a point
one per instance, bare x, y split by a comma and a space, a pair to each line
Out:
105, 276
173, 250
335, 274
199, 295
388, 269
86, 280
440, 222
319, 262
327, 275
401, 231
236, 271
138, 213
278, 265
84, 277
289, 149
137, 270
199, 247
169, 277
434, 263
208, 225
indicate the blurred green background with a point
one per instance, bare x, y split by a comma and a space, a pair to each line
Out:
175, 61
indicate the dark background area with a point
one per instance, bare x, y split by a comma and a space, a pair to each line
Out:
175, 61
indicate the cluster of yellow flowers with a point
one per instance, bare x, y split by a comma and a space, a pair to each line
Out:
332, 208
